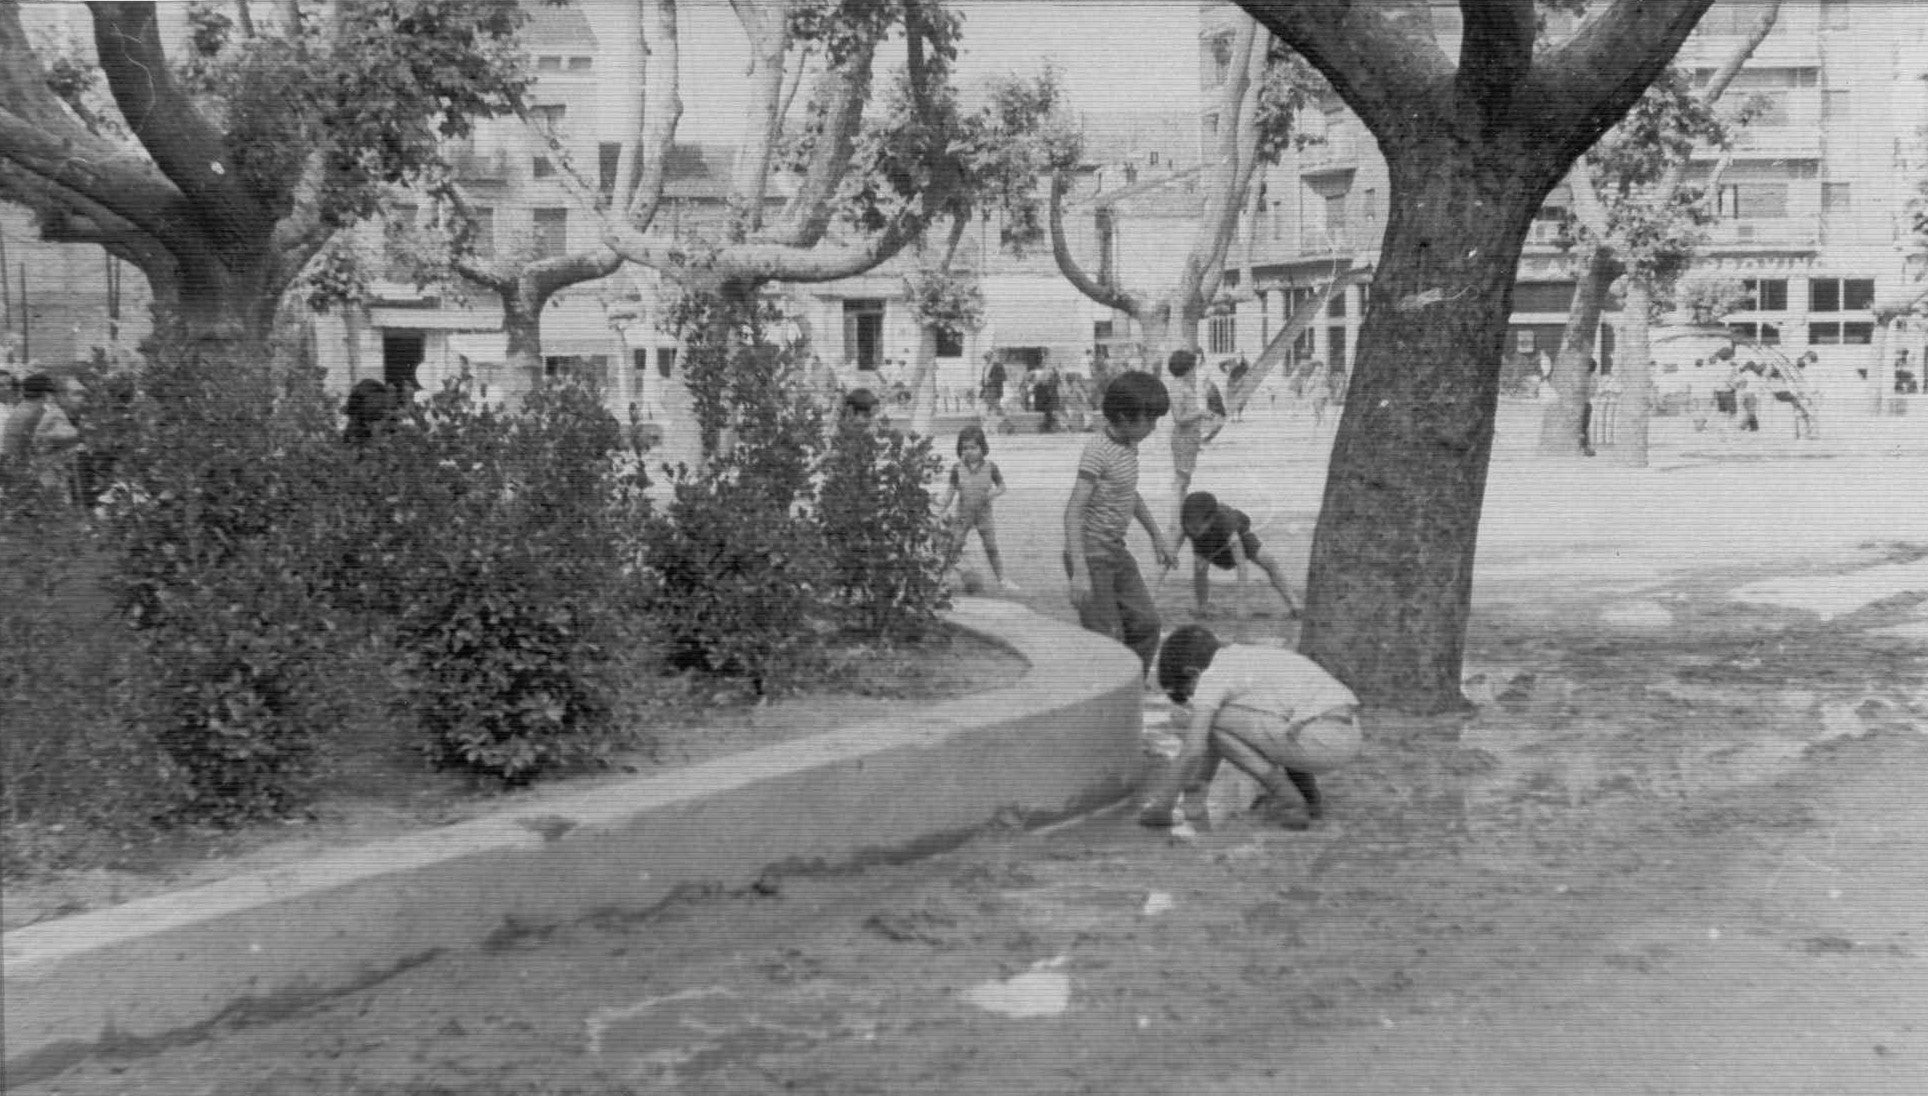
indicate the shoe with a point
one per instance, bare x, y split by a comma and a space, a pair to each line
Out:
1159, 814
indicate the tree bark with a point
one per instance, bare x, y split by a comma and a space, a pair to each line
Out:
1391, 578
1560, 424
1634, 373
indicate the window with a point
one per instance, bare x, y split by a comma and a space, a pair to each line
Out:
1840, 294
1523, 341
551, 232
580, 64
1542, 296
1837, 198
609, 157
1830, 334
548, 64
1336, 347
665, 360
864, 333
1336, 308
1834, 14
541, 168
1217, 67
950, 344
1766, 294
639, 360
1767, 334
549, 115
482, 232
1752, 201
1221, 332
1335, 216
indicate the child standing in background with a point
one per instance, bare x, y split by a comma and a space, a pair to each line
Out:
1106, 588
975, 482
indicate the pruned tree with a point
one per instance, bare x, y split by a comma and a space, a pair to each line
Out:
817, 194
1638, 223
1473, 146
1264, 86
222, 173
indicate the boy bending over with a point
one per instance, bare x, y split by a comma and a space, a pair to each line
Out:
1273, 713
1222, 537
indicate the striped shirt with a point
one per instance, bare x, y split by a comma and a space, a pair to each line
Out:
1112, 468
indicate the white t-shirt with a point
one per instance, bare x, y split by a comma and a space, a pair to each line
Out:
1269, 679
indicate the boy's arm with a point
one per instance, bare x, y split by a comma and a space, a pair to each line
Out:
1201, 584
1238, 560
1074, 521
1143, 513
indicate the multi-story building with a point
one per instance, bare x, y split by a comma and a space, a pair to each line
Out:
1813, 208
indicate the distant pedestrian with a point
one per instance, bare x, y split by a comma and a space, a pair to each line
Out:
1746, 381
1589, 389
1222, 537
1105, 584
370, 411
1274, 714
974, 484
40, 441
1189, 416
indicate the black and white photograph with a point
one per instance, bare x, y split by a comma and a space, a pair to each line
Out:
1007, 547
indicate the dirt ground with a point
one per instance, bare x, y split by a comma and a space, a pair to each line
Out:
1677, 847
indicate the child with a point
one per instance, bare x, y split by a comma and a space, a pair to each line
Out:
1106, 587
1273, 713
1222, 537
975, 482
1188, 423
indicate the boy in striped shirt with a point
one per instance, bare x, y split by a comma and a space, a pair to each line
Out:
1106, 588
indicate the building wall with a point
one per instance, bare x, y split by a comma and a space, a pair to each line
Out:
1832, 168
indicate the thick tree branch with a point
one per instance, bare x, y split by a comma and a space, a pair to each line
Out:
1101, 292
1580, 88
188, 150
766, 24
845, 89
1229, 180
1389, 71
1495, 53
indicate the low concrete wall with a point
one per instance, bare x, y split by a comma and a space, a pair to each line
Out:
1064, 738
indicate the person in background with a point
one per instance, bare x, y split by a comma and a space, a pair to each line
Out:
1188, 423
40, 440
975, 483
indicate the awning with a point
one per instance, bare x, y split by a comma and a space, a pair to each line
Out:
436, 319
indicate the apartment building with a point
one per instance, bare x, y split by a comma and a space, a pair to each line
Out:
1813, 207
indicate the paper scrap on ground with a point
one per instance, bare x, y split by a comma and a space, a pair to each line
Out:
1156, 902
1040, 991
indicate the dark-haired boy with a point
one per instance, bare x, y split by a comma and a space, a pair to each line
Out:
1106, 588
1273, 713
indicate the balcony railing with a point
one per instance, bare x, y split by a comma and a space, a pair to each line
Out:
1785, 232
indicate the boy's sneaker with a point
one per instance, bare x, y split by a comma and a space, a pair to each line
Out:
1160, 814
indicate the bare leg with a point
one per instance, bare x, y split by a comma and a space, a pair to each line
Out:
1271, 568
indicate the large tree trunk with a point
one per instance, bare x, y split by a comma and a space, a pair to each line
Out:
1633, 369
1391, 577
1560, 424
522, 325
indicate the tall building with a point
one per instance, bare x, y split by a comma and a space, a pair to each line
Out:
1813, 208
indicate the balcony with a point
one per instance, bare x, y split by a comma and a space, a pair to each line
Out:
1783, 234
1338, 152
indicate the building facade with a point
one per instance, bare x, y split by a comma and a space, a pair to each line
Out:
1813, 208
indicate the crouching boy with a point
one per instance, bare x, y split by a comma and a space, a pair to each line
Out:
1273, 713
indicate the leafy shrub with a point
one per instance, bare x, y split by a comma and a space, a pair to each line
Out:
885, 544
225, 500
737, 578
502, 560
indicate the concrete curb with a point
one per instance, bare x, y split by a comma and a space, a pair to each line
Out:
161, 970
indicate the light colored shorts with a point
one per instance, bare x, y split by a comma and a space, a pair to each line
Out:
1316, 745
1185, 447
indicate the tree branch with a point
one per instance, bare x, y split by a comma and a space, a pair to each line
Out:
1580, 88
1392, 74
188, 150
847, 89
1100, 292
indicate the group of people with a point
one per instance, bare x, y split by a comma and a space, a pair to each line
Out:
1272, 713
40, 440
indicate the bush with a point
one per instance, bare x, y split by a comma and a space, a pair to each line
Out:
738, 578
226, 501
501, 557
886, 545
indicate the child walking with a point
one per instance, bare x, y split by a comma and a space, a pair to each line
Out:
1222, 537
1273, 713
1109, 593
975, 482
